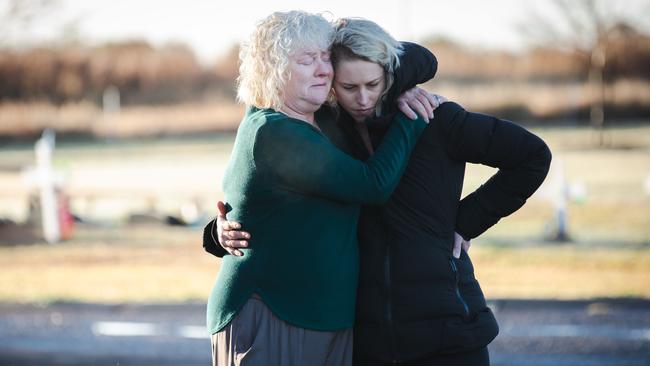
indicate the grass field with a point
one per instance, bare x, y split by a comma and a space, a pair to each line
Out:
115, 262
164, 264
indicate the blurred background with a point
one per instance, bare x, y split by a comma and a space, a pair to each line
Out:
117, 119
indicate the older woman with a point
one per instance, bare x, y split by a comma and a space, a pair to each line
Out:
291, 302
418, 301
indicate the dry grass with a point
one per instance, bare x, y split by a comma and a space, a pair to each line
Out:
221, 113
163, 264
135, 264
20, 119
541, 99
566, 272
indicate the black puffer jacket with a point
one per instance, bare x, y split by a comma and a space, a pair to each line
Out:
414, 298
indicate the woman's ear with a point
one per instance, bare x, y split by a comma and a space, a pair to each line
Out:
331, 97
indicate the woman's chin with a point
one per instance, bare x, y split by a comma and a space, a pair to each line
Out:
318, 99
360, 117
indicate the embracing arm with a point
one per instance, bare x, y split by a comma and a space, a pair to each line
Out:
523, 160
417, 65
305, 161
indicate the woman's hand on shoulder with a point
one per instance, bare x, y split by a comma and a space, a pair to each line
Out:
417, 101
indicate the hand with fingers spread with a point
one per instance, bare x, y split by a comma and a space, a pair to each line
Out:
460, 243
418, 101
228, 233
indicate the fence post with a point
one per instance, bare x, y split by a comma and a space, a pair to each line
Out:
44, 148
560, 198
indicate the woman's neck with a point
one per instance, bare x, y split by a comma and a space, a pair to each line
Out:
297, 114
362, 128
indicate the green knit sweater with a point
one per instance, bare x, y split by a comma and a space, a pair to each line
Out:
300, 196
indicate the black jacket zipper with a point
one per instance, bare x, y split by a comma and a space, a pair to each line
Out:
454, 269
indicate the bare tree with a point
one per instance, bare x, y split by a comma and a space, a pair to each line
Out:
18, 18
586, 27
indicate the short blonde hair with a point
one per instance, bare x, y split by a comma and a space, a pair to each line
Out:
358, 38
264, 59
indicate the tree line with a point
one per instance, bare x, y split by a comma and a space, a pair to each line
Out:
148, 75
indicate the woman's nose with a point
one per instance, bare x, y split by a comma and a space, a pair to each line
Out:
324, 68
362, 97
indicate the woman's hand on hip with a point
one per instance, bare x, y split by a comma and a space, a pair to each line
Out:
460, 243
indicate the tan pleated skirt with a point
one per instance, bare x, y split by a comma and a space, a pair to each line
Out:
257, 337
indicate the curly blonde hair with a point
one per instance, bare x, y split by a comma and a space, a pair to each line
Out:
361, 39
264, 59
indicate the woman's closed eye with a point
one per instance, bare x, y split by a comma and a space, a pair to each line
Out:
370, 86
326, 57
306, 60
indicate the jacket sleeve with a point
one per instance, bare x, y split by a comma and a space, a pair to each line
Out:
417, 65
210, 242
305, 161
522, 159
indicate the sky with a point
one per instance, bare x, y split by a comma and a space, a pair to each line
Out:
211, 27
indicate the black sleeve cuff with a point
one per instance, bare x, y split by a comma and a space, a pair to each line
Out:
210, 242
